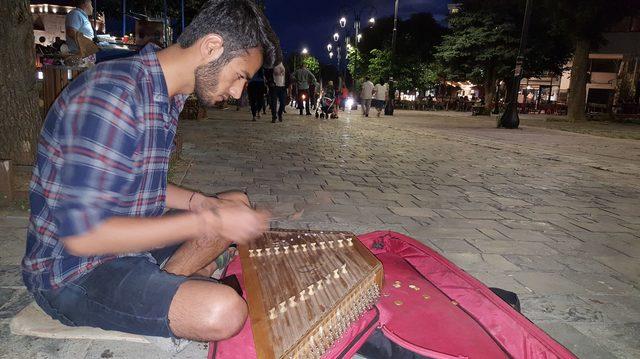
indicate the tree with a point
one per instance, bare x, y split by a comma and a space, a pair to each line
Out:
417, 36
379, 69
586, 21
20, 119
483, 42
312, 64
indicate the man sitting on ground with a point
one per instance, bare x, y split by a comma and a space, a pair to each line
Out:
96, 238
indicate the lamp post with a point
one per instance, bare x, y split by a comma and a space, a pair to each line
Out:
388, 110
509, 118
357, 15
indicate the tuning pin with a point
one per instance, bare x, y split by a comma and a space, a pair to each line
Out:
272, 313
327, 278
310, 289
335, 274
295, 248
251, 254
350, 242
267, 251
276, 250
313, 246
344, 268
283, 307
304, 247
331, 244
302, 297
319, 284
322, 245
340, 243
286, 249
259, 250
292, 302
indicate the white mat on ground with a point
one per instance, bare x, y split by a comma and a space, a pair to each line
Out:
34, 322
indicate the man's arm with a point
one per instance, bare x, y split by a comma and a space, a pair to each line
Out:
119, 235
180, 198
312, 76
71, 33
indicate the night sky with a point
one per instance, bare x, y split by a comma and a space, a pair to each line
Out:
310, 24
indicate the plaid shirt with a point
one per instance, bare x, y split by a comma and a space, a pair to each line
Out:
103, 152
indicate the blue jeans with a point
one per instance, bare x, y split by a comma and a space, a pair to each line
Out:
278, 94
129, 294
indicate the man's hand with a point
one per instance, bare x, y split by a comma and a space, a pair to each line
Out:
200, 202
232, 221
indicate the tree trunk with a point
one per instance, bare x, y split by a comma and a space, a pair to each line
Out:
20, 117
490, 89
578, 84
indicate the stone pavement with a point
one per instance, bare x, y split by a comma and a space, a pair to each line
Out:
553, 216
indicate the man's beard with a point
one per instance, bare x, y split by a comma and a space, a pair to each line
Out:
207, 81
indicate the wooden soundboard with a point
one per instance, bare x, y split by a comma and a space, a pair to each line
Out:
304, 289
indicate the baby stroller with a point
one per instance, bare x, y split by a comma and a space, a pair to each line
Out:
326, 108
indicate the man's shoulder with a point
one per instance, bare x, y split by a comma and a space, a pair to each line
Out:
126, 74
74, 16
106, 87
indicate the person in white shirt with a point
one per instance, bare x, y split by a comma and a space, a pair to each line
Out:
280, 92
380, 97
366, 95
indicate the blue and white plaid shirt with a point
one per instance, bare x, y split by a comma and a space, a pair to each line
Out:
103, 152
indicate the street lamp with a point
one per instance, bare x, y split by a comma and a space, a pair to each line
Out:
305, 51
329, 47
343, 21
331, 55
372, 21
336, 37
359, 37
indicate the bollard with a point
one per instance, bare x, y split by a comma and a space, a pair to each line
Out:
6, 173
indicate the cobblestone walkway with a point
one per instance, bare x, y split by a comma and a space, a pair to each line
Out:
551, 215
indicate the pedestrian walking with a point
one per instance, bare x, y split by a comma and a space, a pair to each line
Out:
278, 96
366, 95
256, 90
304, 78
380, 97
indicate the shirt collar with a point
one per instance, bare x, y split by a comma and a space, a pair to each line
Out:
152, 65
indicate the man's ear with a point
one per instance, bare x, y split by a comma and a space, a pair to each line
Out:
211, 47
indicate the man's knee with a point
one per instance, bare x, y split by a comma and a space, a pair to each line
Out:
224, 319
205, 311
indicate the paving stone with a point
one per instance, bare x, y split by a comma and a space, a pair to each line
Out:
481, 262
626, 266
25, 347
13, 300
449, 245
512, 247
536, 263
12, 245
525, 235
620, 340
566, 308
413, 212
125, 350
548, 283
583, 346
501, 280
11, 276
598, 283
480, 215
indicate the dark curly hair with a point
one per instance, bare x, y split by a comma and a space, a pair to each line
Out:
242, 26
